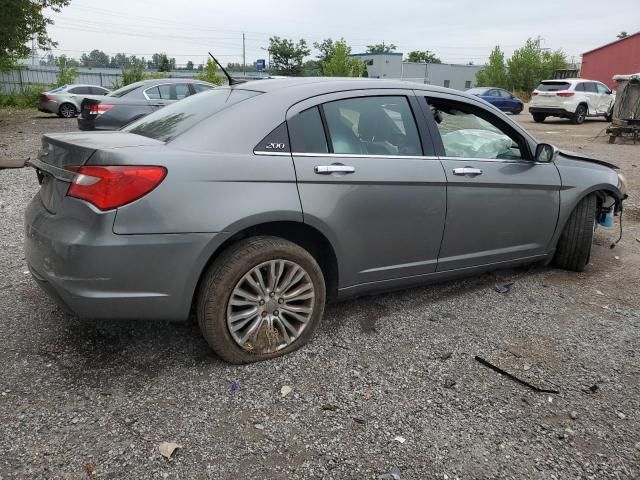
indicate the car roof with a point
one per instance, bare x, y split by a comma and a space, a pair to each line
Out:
171, 80
304, 87
570, 80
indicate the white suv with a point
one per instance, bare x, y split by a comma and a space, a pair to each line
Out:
574, 98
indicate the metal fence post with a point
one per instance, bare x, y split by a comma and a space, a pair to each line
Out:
101, 84
20, 79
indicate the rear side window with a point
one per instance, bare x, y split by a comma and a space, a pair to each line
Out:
79, 91
372, 126
98, 91
590, 87
201, 87
166, 92
553, 86
152, 93
307, 133
580, 87
182, 91
169, 122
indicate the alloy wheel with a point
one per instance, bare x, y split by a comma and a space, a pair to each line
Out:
67, 111
270, 306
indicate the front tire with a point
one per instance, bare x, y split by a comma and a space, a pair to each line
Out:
580, 116
574, 247
261, 299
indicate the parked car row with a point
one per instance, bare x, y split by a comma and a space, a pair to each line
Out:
572, 98
100, 109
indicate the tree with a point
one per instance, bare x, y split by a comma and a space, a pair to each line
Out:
21, 21
530, 64
326, 48
286, 56
189, 65
338, 63
96, 59
494, 73
423, 56
311, 68
622, 35
210, 73
66, 73
381, 48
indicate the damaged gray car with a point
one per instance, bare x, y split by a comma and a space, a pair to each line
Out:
253, 205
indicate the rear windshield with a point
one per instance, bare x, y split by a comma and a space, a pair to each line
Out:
475, 91
171, 121
59, 89
122, 91
553, 86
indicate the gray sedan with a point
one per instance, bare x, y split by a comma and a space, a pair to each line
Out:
136, 100
255, 204
65, 101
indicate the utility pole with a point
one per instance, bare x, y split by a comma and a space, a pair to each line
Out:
244, 58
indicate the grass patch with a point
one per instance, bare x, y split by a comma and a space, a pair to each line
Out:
28, 98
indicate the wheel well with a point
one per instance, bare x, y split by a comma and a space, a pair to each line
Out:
301, 234
67, 103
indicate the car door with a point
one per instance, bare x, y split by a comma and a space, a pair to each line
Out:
592, 97
368, 178
605, 99
510, 103
494, 98
501, 205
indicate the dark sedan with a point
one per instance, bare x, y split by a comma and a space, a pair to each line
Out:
500, 98
134, 101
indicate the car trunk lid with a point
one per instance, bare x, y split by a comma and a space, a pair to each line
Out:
60, 151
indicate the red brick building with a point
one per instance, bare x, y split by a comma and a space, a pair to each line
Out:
621, 57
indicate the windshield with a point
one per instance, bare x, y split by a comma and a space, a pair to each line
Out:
553, 86
122, 91
171, 121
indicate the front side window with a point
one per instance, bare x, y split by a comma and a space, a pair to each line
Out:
471, 132
79, 91
504, 94
372, 126
601, 88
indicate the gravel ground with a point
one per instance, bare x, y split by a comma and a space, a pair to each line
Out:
388, 381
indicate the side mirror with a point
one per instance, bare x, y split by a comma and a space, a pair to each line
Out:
546, 153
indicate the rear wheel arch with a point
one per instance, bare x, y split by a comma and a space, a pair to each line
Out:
302, 234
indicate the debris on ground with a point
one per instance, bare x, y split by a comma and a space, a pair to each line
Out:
285, 390
513, 377
91, 471
399, 439
330, 407
394, 474
449, 383
259, 426
573, 415
503, 287
235, 386
167, 449
361, 421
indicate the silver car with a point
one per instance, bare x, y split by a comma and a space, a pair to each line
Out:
66, 101
252, 205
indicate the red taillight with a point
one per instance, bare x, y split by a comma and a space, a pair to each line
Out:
45, 97
100, 108
565, 94
535, 92
111, 187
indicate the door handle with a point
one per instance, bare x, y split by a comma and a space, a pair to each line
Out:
467, 171
329, 169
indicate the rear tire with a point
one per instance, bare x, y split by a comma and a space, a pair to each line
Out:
224, 279
539, 117
67, 110
580, 116
574, 247
518, 110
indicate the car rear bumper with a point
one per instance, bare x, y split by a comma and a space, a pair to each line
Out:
96, 274
86, 124
48, 106
553, 111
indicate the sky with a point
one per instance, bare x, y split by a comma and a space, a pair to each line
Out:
458, 31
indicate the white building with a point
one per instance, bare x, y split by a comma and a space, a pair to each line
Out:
391, 66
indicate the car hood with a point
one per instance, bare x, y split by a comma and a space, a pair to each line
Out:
580, 156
